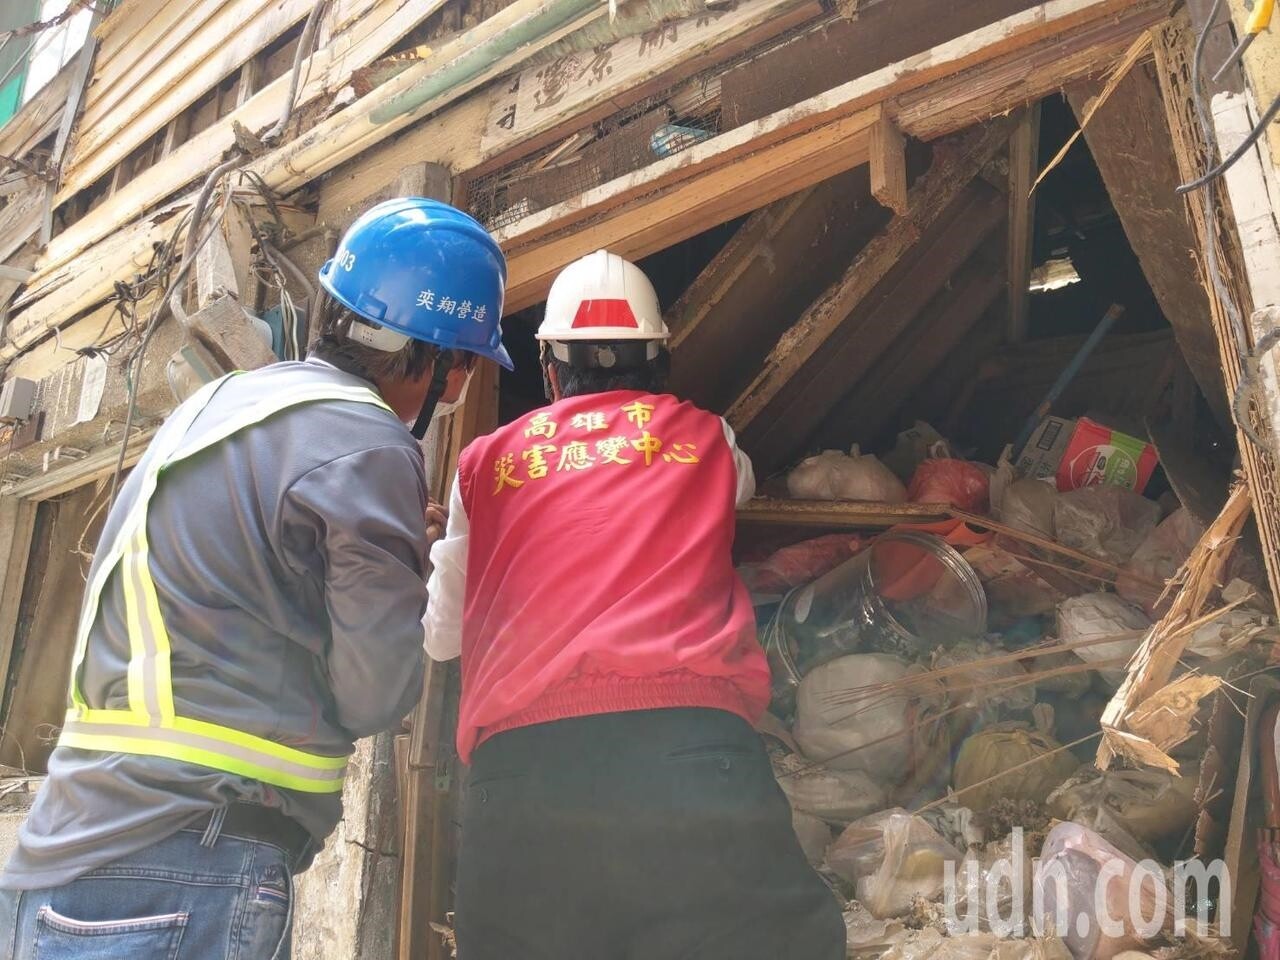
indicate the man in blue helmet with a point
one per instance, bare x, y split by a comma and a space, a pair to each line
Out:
253, 608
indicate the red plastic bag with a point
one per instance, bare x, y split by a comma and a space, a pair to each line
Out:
799, 563
957, 482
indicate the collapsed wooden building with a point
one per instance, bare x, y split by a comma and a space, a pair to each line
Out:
846, 208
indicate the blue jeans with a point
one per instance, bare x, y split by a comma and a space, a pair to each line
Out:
192, 896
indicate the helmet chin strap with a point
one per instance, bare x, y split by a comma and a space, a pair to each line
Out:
439, 380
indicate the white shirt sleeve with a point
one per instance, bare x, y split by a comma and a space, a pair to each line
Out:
746, 474
446, 587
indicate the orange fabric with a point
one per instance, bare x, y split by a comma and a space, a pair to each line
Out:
902, 572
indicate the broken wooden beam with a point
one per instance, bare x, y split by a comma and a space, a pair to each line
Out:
717, 279
889, 165
779, 259
872, 404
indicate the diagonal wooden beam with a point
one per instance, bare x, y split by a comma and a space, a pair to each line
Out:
744, 250
1023, 167
854, 350
956, 162
932, 337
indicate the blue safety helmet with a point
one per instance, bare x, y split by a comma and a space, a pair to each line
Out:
426, 270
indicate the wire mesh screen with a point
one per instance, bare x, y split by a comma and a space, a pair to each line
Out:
655, 127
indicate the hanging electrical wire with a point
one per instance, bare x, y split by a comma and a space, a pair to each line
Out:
196, 238
170, 300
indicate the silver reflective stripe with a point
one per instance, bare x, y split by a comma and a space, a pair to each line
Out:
150, 689
195, 741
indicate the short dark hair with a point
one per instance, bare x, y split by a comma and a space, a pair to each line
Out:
334, 346
650, 377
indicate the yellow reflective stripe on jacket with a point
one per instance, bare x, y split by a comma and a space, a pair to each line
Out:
171, 435
149, 725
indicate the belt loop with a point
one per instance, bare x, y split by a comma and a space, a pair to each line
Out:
214, 829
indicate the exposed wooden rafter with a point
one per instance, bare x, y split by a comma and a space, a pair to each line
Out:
956, 162
1024, 154
1068, 30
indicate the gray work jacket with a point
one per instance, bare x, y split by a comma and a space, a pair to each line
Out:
289, 561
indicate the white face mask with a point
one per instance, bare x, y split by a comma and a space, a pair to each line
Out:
445, 409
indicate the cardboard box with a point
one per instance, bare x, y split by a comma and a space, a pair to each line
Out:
1098, 454
1044, 451
1082, 453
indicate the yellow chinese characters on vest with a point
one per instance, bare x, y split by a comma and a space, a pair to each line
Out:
592, 440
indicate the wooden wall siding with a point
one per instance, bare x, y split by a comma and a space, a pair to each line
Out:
153, 80
933, 87
45, 637
39, 117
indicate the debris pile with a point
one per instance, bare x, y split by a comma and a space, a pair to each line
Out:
995, 729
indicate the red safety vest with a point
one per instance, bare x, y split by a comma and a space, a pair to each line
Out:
599, 576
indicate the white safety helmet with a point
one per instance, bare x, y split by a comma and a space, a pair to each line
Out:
600, 298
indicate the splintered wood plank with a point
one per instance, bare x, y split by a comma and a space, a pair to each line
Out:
1174, 45
20, 217
1024, 156
174, 74
1130, 140
955, 164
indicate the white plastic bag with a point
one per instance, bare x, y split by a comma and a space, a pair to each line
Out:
1028, 505
835, 796
1158, 558
1104, 521
1107, 627
1151, 806
892, 857
853, 714
832, 475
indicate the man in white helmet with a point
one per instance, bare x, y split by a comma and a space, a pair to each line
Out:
620, 803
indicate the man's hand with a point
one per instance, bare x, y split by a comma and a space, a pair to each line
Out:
437, 517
